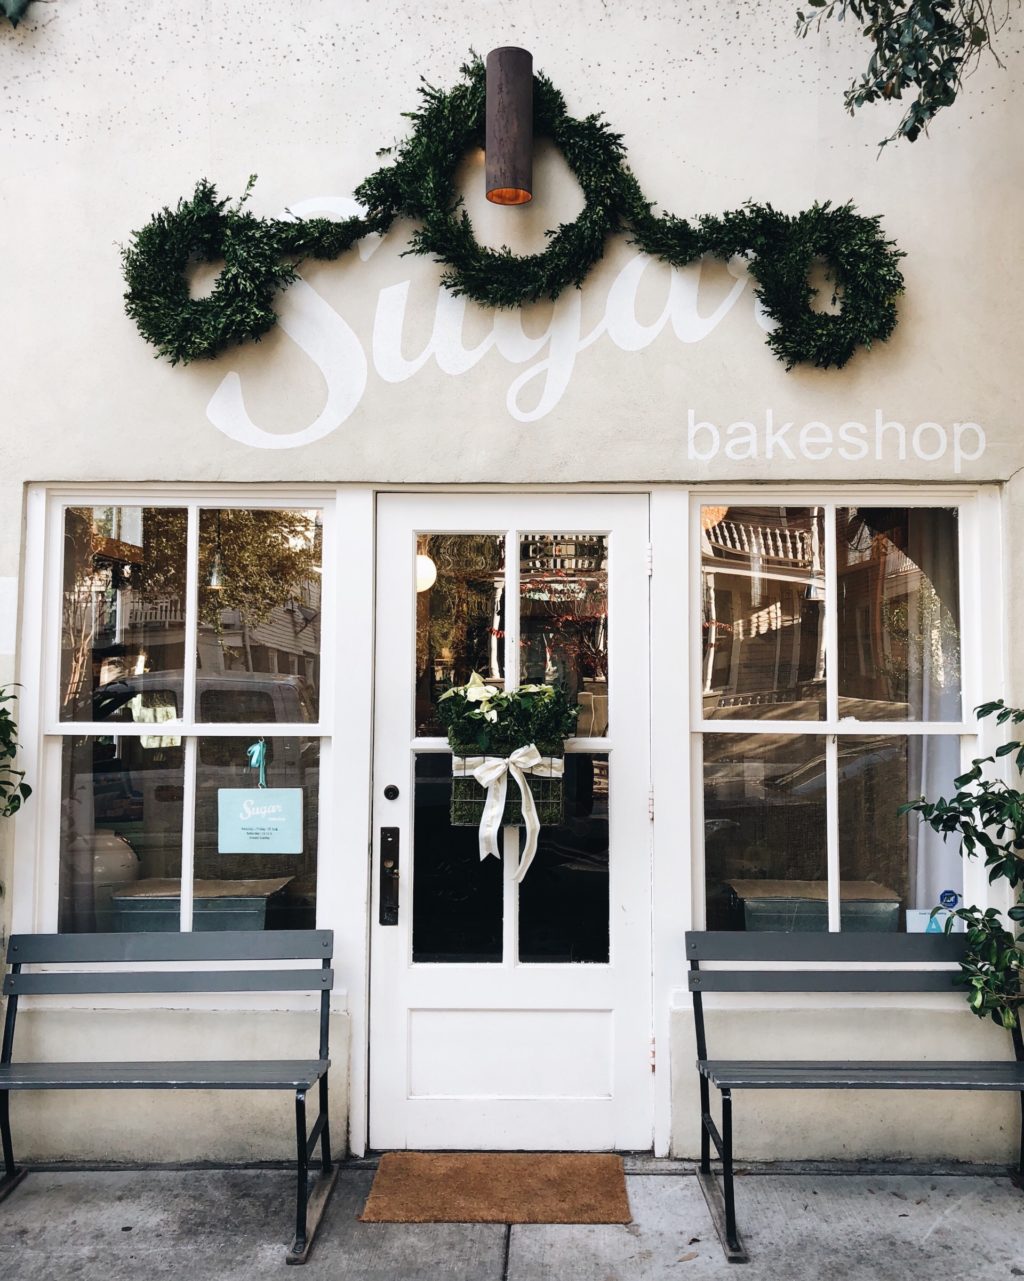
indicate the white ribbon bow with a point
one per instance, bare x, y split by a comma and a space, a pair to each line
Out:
492, 772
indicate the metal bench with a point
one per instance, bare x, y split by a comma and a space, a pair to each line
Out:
127, 953
751, 949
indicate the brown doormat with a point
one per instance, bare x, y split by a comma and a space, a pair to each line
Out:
498, 1187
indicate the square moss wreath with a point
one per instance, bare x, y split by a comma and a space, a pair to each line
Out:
468, 798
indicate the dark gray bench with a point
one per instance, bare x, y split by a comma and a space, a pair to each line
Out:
747, 950
65, 957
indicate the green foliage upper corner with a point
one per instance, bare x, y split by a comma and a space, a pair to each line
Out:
260, 255
927, 45
13, 788
14, 10
987, 814
485, 720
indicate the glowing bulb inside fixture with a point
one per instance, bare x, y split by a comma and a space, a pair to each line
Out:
426, 573
712, 516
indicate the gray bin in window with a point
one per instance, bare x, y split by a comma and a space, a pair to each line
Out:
793, 906
155, 905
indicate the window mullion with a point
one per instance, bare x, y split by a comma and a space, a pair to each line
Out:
831, 617
832, 829
188, 831
188, 694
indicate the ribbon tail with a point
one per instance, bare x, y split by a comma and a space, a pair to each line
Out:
490, 820
531, 824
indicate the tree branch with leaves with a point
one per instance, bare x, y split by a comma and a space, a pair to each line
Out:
987, 814
930, 46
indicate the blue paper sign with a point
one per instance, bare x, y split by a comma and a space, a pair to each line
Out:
259, 820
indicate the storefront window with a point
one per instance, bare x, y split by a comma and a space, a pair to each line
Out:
802, 826
149, 802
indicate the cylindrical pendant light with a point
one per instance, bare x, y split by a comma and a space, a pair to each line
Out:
509, 138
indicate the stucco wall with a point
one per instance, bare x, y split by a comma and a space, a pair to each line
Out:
112, 113
779, 1125
108, 119
171, 1125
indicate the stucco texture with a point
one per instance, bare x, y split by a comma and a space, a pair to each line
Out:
170, 1125
110, 116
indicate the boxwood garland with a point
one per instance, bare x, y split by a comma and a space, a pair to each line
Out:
260, 256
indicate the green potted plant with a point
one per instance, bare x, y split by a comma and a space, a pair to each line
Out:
488, 724
987, 813
13, 788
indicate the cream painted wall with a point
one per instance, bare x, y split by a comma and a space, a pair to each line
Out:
110, 117
807, 1125
172, 1125
111, 113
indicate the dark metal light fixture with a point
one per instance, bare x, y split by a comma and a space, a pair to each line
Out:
509, 136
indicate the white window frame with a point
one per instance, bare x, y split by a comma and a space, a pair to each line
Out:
981, 649
36, 897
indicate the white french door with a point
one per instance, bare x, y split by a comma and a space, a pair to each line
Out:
503, 1015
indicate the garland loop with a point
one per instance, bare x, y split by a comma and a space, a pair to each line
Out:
260, 255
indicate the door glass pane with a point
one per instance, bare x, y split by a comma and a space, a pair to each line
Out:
460, 617
894, 868
563, 898
256, 848
259, 615
457, 899
123, 617
899, 613
120, 833
765, 832
763, 624
563, 613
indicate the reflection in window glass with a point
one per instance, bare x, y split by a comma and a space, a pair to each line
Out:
259, 615
765, 832
120, 834
899, 613
763, 623
563, 899
563, 618
457, 898
256, 848
460, 617
123, 616
894, 868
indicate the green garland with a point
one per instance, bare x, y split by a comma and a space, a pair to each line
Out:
260, 255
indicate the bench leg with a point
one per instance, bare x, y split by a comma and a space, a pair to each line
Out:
310, 1206
12, 1175
727, 1172
705, 1133
721, 1198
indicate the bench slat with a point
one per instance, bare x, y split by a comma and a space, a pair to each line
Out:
863, 1075
821, 980
243, 1074
212, 945
71, 983
874, 946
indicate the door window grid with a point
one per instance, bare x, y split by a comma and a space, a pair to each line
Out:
156, 723
838, 741
526, 555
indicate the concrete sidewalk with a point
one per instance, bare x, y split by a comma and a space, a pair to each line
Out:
233, 1225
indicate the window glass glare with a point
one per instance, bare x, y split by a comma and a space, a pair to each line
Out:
563, 620
260, 580
460, 617
763, 613
899, 613
121, 805
256, 833
123, 614
765, 832
894, 868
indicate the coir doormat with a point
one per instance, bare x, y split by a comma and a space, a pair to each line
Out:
498, 1187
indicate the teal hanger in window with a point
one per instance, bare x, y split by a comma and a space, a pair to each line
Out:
257, 753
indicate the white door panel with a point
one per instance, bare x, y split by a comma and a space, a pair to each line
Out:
506, 1016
